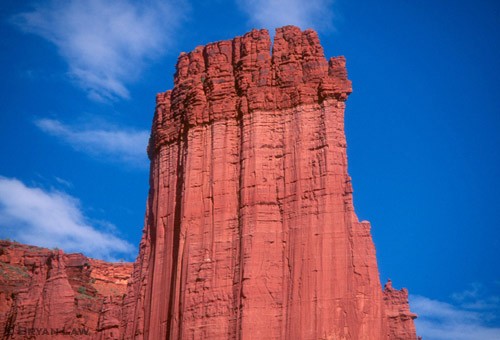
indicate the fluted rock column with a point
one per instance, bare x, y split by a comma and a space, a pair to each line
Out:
250, 229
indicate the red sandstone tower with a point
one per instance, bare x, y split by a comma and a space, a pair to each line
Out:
250, 228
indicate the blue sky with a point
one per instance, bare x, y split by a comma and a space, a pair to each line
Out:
77, 91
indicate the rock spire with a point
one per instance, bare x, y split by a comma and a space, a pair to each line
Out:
250, 229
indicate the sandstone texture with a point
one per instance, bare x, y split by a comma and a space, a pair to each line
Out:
47, 294
250, 230
397, 311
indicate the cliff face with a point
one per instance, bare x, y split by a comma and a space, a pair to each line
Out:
250, 229
46, 293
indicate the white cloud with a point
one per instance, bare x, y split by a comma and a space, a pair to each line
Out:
477, 298
270, 14
105, 43
54, 219
113, 144
471, 293
439, 320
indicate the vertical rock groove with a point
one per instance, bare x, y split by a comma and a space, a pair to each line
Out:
250, 230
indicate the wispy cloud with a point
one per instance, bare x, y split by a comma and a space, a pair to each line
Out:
54, 219
111, 144
63, 182
317, 14
439, 320
105, 43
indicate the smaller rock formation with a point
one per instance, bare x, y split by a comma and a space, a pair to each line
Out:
397, 311
46, 292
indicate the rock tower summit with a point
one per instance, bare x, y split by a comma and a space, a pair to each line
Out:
250, 230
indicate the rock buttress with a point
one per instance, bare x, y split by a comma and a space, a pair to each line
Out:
250, 228
397, 310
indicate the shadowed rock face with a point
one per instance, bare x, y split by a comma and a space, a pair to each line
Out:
250, 230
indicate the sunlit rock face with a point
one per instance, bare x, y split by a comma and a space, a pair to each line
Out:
250, 229
47, 294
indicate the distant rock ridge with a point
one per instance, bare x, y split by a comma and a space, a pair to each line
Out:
46, 293
250, 230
